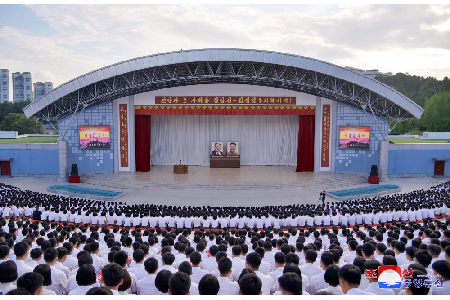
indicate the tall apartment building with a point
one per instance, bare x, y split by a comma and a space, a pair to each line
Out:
41, 88
4, 85
22, 86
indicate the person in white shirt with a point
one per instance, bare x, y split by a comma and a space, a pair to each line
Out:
138, 269
146, 286
70, 262
290, 284
317, 282
59, 279
197, 272
331, 277
227, 286
112, 277
8, 275
309, 269
21, 250
253, 261
86, 278
349, 280
62, 256
238, 263
441, 270
278, 271
265, 267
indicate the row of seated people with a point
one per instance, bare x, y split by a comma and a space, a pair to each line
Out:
78, 260
415, 206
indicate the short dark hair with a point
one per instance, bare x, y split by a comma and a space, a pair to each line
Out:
254, 260
421, 289
442, 267
350, 274
8, 271
195, 257
185, 267
46, 272
4, 251
208, 285
369, 249
50, 254
331, 275
99, 291
30, 281
389, 260
121, 258
20, 249
423, 257
292, 258
112, 274
62, 252
311, 255
291, 282
162, 280
18, 292
224, 265
250, 284
179, 283
86, 275
138, 255
151, 265
168, 258
35, 253
280, 257
327, 258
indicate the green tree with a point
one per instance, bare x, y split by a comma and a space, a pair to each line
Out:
19, 123
436, 116
12, 107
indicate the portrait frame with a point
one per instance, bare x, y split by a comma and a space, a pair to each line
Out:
213, 144
236, 150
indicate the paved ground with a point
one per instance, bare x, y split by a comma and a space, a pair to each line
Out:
247, 186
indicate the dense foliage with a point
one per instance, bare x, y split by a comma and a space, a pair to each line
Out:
423, 91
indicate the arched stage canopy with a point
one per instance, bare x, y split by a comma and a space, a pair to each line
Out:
236, 66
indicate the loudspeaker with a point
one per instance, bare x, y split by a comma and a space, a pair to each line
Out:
374, 170
74, 170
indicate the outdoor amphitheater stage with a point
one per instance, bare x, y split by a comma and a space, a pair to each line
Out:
205, 186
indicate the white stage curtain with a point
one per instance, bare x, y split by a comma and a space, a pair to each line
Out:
263, 140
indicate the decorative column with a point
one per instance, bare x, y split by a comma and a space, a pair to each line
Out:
63, 161
123, 117
383, 155
325, 153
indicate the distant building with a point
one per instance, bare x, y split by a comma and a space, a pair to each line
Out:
41, 88
22, 87
369, 73
4, 85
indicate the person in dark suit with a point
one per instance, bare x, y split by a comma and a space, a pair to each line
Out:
37, 214
217, 149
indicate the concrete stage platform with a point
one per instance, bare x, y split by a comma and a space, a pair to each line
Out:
203, 186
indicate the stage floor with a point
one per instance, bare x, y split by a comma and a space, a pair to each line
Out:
203, 186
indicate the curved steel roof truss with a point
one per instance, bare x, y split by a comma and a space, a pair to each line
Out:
355, 90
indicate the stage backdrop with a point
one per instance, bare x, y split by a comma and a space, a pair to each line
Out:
263, 140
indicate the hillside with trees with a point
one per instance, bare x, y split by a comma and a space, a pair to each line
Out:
431, 94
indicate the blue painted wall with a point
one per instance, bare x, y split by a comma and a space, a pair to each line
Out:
358, 160
416, 159
89, 160
32, 161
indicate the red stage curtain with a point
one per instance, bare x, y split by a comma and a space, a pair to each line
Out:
143, 134
305, 152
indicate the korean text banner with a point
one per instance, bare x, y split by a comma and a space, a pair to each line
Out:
354, 138
94, 137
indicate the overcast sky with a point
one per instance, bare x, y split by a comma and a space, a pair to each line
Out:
60, 42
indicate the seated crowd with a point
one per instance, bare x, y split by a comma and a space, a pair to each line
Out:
53, 245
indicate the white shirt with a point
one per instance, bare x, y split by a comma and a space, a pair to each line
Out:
6, 287
310, 270
266, 281
197, 274
82, 290
357, 291
227, 287
336, 290
22, 268
146, 286
444, 290
316, 283
59, 281
139, 271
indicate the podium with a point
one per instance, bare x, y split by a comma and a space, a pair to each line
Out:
74, 179
180, 169
225, 161
374, 179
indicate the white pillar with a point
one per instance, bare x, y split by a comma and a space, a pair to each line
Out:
63, 161
383, 155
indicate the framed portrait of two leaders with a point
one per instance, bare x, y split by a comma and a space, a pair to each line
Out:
217, 148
